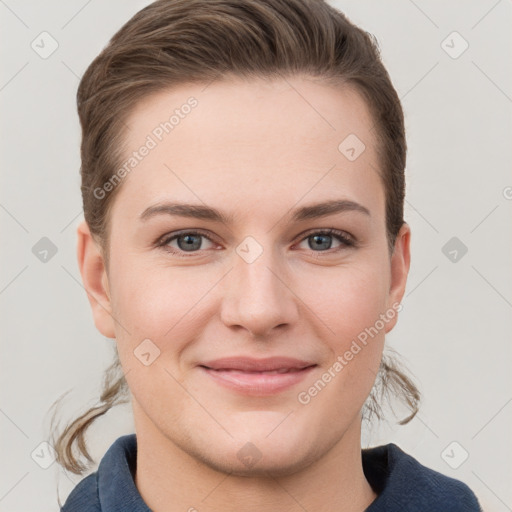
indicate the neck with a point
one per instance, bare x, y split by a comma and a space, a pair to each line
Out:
170, 480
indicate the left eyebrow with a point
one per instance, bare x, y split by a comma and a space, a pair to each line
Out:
328, 208
198, 211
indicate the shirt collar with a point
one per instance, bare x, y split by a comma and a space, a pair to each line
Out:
116, 486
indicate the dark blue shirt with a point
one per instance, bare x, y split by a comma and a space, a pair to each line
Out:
401, 482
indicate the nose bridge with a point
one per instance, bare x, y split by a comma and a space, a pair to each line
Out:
258, 297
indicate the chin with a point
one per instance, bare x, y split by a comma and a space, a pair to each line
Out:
250, 461
255, 452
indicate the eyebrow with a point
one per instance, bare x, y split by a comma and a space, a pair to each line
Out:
197, 211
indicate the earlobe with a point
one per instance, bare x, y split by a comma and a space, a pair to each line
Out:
95, 280
400, 263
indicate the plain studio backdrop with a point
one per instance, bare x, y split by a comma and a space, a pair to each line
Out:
451, 65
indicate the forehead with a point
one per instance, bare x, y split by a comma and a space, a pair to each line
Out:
275, 140
251, 111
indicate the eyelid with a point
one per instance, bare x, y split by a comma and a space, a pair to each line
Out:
169, 237
345, 236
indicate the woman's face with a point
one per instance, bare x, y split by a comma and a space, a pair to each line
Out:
185, 289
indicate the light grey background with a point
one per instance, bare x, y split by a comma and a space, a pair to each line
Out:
454, 330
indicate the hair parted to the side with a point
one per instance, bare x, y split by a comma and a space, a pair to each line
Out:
175, 42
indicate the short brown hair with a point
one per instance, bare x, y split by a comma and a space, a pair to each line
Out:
173, 42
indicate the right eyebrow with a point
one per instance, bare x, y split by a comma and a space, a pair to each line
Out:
196, 211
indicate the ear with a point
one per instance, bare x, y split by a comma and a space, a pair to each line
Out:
400, 263
95, 279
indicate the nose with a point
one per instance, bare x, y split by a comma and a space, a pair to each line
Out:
258, 297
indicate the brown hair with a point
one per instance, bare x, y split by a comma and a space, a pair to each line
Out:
172, 42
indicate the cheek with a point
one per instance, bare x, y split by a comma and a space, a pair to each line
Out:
152, 299
160, 305
350, 306
168, 306
348, 300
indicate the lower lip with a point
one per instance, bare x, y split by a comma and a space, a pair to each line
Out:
258, 384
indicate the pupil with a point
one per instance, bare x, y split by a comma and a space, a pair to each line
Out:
190, 243
318, 238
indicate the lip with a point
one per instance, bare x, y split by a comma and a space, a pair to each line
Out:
257, 377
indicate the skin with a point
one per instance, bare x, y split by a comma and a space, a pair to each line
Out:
256, 150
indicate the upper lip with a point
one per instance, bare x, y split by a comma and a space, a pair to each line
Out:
250, 364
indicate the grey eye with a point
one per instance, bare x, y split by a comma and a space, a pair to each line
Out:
322, 242
188, 242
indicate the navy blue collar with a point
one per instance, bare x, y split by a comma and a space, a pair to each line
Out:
400, 481
116, 487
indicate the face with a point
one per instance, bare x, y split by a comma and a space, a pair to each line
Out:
252, 323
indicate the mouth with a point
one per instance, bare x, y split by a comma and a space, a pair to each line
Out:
257, 377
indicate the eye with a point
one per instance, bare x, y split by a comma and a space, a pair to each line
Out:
321, 241
186, 241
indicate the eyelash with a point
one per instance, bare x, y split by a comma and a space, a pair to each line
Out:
346, 239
